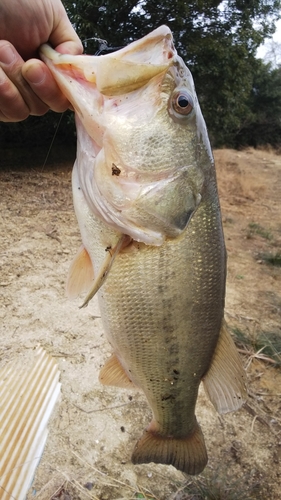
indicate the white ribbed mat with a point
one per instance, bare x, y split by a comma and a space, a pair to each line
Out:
27, 398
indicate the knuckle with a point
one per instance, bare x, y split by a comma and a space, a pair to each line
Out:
12, 106
18, 114
14, 117
51, 96
40, 110
5, 84
60, 107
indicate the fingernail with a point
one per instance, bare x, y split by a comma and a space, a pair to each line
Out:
7, 54
35, 74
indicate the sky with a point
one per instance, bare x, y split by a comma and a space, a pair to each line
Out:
266, 46
278, 34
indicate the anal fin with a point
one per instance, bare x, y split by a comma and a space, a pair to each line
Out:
187, 454
113, 373
225, 381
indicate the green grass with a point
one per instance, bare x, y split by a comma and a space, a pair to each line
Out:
266, 343
270, 343
241, 338
273, 259
254, 228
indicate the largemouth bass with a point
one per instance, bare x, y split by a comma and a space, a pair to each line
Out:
145, 196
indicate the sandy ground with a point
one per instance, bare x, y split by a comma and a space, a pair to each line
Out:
93, 429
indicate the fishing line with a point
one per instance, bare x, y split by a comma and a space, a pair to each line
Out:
103, 45
52, 142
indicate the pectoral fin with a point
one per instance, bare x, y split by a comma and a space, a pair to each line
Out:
114, 374
106, 266
80, 275
225, 381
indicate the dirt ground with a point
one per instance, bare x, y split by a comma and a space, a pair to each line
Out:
93, 429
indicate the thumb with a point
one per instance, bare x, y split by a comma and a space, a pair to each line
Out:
63, 37
70, 47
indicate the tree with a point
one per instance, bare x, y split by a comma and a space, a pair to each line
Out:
263, 125
273, 53
218, 41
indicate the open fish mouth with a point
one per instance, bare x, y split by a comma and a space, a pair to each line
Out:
124, 70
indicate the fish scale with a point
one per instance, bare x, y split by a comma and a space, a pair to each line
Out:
144, 335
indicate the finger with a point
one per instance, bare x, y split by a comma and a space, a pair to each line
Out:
41, 81
70, 48
63, 37
11, 63
12, 106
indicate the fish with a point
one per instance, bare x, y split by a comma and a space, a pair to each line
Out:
146, 200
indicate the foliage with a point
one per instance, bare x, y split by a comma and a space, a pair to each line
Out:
263, 125
218, 41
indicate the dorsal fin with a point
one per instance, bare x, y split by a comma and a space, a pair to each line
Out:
80, 275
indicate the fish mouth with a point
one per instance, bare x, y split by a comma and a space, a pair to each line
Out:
120, 71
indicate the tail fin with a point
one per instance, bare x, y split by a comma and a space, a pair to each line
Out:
187, 454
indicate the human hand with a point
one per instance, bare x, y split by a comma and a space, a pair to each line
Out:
28, 88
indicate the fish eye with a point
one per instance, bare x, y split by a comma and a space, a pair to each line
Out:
182, 103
